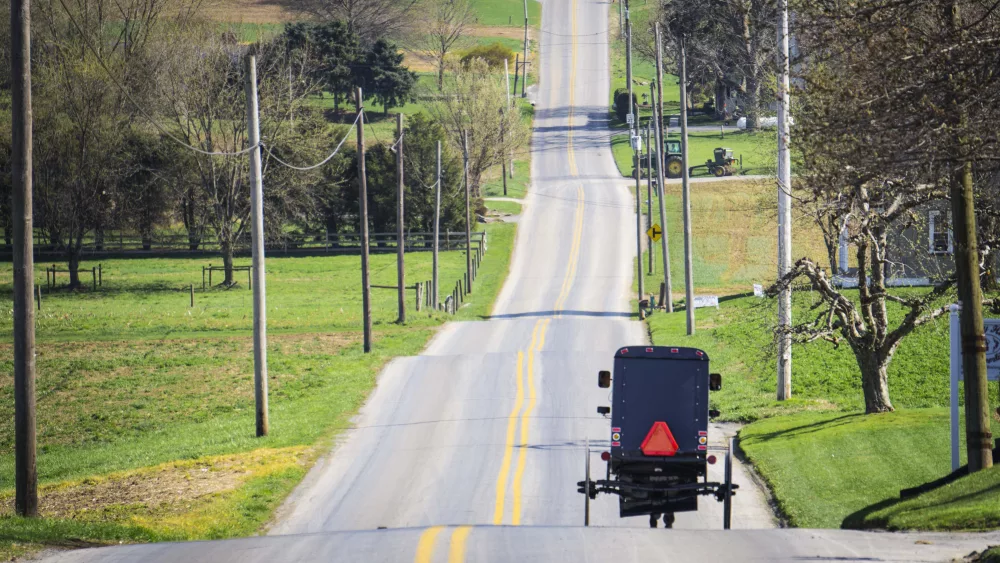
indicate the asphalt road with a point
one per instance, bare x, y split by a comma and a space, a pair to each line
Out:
472, 450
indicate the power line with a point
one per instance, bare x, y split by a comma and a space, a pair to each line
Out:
124, 91
325, 160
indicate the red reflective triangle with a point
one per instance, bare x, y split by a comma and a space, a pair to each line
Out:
659, 441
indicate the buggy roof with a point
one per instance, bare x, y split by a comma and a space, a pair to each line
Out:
661, 353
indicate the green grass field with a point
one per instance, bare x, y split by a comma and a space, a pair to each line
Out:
733, 226
832, 469
970, 503
130, 378
503, 13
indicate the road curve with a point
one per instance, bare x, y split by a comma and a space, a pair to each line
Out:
472, 450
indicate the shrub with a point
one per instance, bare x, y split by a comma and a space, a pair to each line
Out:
622, 103
494, 55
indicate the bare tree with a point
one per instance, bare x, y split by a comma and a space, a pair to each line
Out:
477, 102
203, 97
729, 42
94, 51
445, 23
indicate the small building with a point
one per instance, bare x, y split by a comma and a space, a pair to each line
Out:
920, 254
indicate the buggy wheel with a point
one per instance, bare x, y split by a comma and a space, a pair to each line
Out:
668, 520
727, 499
719, 171
586, 487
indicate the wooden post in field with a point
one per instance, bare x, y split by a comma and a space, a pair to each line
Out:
25, 471
192, 295
437, 232
257, 244
468, 209
38, 291
419, 295
363, 204
400, 232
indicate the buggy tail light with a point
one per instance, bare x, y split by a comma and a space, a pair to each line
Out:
605, 456
710, 459
659, 441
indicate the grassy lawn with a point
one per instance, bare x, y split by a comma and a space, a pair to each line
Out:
758, 149
137, 388
507, 13
508, 207
733, 235
832, 469
970, 503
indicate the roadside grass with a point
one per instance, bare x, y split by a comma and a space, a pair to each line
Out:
829, 469
970, 503
131, 378
210, 498
758, 149
504, 207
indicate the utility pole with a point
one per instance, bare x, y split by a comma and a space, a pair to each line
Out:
649, 187
25, 470
366, 301
437, 229
506, 74
468, 213
517, 70
524, 75
784, 383
400, 218
686, 196
634, 139
979, 439
503, 162
661, 161
257, 270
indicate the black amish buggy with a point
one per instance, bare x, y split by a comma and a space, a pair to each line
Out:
657, 463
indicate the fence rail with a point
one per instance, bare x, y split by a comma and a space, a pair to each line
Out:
317, 243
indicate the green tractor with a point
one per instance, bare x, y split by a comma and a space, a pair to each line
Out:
674, 167
725, 164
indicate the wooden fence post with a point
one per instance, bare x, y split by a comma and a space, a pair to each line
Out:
209, 275
93, 272
100, 275
419, 291
192, 295
203, 278
38, 291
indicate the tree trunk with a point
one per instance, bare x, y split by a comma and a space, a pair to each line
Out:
227, 262
752, 101
874, 382
74, 265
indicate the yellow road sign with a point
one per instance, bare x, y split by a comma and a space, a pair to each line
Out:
654, 233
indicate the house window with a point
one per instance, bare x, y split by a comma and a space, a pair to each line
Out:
940, 233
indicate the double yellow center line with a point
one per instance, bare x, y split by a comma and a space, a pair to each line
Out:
456, 551
517, 415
